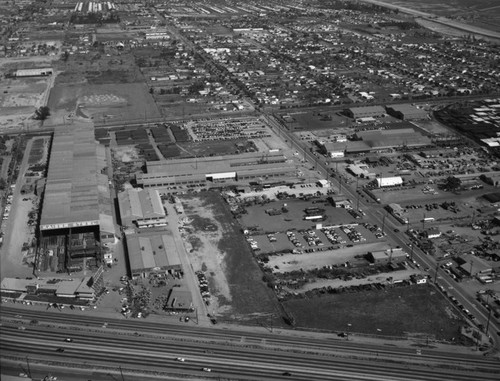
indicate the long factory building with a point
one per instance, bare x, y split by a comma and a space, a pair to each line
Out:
216, 169
76, 196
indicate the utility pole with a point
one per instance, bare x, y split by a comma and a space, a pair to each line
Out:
357, 195
28, 364
489, 293
436, 271
383, 223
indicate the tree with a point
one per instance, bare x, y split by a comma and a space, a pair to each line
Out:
452, 183
42, 113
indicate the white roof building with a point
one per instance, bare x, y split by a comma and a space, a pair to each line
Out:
389, 181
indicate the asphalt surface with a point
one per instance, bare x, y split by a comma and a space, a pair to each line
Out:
377, 214
150, 349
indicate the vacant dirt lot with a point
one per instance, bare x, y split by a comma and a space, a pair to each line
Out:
106, 102
18, 100
219, 249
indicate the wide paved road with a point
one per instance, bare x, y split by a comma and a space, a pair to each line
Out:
376, 213
140, 346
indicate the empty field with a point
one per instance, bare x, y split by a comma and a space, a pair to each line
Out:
393, 312
219, 249
106, 102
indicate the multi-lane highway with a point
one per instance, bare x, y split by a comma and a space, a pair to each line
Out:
149, 348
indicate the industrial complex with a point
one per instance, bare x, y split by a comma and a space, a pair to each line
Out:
217, 169
195, 190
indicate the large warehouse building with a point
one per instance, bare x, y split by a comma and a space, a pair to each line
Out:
141, 207
76, 212
393, 138
152, 254
366, 112
216, 169
41, 72
406, 111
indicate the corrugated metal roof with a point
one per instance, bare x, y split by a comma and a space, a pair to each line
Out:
137, 204
148, 252
71, 194
213, 164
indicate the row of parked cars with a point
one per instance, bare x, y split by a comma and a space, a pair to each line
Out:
333, 237
353, 234
293, 239
203, 284
312, 239
461, 307
6, 212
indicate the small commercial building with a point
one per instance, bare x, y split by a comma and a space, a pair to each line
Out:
389, 181
474, 266
340, 149
383, 257
333, 149
179, 300
142, 207
432, 233
396, 209
360, 170
323, 183
418, 279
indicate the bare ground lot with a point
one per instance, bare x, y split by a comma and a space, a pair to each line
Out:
18, 100
219, 249
106, 102
392, 312
318, 120
210, 148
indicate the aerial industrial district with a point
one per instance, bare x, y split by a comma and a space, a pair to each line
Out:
250, 190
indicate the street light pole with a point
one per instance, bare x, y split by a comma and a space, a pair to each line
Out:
347, 336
